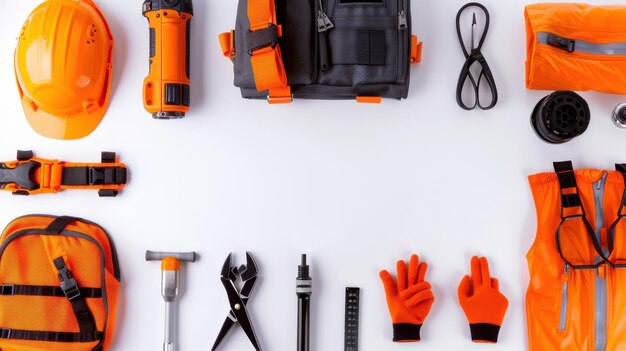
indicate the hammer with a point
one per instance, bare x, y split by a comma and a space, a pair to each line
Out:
170, 283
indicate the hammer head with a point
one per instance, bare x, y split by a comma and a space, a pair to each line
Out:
181, 256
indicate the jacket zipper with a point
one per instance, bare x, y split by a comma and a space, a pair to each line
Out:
600, 280
324, 24
27, 232
564, 302
573, 45
403, 29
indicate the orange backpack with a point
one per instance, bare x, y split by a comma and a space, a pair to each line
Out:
59, 278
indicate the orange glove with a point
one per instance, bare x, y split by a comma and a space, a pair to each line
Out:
409, 300
483, 303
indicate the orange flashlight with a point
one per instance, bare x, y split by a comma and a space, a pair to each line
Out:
166, 89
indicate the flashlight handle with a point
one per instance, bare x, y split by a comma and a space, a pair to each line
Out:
166, 90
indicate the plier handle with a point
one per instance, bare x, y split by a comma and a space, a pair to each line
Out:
238, 299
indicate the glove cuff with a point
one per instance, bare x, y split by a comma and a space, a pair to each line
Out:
484, 332
404, 332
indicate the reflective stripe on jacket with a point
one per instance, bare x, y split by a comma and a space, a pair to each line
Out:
576, 299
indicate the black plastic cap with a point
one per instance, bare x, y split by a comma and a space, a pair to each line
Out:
406, 332
175, 5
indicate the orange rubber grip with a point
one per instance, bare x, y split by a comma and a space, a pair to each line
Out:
170, 264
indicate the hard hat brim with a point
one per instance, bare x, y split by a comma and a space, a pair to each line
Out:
63, 127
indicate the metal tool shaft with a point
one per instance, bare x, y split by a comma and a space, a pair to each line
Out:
170, 327
304, 290
170, 288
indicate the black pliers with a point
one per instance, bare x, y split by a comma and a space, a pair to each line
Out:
473, 56
238, 299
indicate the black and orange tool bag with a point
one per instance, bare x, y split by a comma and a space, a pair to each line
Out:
322, 49
29, 175
59, 278
576, 47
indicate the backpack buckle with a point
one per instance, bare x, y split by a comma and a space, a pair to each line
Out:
68, 283
5, 333
7, 290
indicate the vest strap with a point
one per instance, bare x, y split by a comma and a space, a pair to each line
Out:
571, 204
572, 209
621, 167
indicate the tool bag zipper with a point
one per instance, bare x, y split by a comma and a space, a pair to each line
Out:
403, 30
564, 297
324, 24
27, 232
581, 46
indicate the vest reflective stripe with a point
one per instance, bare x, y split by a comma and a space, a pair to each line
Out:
577, 309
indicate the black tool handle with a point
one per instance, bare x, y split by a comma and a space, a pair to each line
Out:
304, 323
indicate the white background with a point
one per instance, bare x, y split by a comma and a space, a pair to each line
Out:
355, 186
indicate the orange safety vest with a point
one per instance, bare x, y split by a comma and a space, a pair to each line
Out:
576, 299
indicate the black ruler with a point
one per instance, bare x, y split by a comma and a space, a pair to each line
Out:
351, 336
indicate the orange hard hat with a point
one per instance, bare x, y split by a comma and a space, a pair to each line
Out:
63, 64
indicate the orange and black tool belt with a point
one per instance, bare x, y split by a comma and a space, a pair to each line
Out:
578, 47
322, 49
59, 281
29, 175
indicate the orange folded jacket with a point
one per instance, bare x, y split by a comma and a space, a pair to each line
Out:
576, 47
